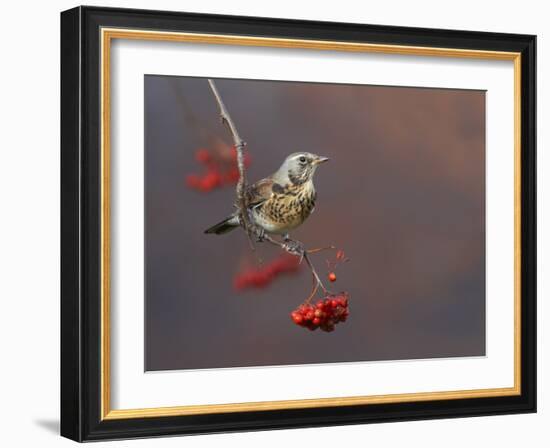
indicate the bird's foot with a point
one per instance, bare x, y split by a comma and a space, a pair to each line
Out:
294, 248
260, 234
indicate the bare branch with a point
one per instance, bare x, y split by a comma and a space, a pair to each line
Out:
314, 272
319, 249
237, 140
239, 143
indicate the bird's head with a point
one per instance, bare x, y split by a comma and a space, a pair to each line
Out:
300, 167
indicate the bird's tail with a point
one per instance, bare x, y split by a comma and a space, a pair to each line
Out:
227, 225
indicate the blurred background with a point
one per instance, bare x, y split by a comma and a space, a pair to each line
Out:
403, 195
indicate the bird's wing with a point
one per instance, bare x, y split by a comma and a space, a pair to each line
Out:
259, 192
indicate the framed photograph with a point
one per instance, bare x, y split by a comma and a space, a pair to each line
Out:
275, 224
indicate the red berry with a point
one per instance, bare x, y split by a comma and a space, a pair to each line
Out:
316, 321
332, 277
232, 176
215, 177
205, 185
202, 156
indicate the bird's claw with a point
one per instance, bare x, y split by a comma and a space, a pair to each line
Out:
260, 234
294, 248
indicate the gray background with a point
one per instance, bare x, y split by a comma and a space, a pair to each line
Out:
404, 195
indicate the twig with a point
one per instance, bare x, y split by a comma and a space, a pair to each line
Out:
314, 288
319, 249
314, 272
239, 147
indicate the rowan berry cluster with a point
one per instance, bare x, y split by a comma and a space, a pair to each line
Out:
221, 169
325, 314
263, 276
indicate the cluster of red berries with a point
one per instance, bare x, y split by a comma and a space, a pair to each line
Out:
325, 314
221, 169
263, 276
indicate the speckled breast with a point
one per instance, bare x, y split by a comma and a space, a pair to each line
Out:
286, 210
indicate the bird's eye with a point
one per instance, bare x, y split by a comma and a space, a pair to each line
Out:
302, 159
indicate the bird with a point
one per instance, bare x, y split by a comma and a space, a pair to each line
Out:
281, 202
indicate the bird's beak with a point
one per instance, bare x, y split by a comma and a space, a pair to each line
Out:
320, 160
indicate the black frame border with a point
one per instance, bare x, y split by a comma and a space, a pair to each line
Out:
80, 223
